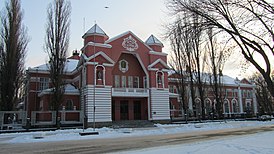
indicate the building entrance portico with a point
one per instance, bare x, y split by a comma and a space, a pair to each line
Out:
129, 109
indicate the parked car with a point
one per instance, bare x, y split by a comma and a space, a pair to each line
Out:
264, 118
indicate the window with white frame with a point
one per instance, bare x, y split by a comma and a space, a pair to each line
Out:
136, 82
145, 81
44, 83
124, 81
226, 106
117, 81
130, 81
123, 66
160, 79
235, 106
208, 106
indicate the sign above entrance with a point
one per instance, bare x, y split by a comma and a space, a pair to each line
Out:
130, 44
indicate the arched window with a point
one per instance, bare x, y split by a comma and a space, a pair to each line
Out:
226, 106
69, 104
198, 105
208, 106
160, 79
248, 106
123, 66
100, 75
235, 106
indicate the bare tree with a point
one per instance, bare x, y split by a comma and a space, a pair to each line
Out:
248, 23
178, 61
217, 55
56, 45
265, 100
196, 27
13, 41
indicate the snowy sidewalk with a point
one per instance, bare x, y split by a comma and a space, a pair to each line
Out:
73, 134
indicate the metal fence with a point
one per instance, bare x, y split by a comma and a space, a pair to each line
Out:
18, 119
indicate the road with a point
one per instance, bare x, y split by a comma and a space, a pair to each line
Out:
127, 143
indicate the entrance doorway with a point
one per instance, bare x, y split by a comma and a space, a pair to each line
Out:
124, 110
137, 110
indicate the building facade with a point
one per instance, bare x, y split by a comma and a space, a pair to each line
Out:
121, 78
237, 98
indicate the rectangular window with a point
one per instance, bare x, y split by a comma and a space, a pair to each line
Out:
136, 82
69, 105
44, 83
145, 82
124, 81
130, 81
117, 81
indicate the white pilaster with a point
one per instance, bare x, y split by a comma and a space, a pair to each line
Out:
240, 100
255, 108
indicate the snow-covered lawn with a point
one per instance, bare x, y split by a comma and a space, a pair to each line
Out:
73, 134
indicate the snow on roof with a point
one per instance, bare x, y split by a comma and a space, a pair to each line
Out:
69, 89
95, 30
227, 80
152, 40
70, 65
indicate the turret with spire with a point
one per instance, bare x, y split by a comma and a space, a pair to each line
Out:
95, 34
154, 43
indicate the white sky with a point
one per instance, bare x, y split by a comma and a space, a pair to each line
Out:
142, 17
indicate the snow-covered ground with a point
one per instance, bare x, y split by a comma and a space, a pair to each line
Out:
262, 143
73, 134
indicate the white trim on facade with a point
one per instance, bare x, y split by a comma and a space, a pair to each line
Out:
157, 53
97, 45
156, 62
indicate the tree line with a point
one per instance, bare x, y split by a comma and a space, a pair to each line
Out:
205, 34
13, 48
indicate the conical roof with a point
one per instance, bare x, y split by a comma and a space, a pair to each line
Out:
95, 30
152, 40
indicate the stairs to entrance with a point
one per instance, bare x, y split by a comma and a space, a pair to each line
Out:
132, 124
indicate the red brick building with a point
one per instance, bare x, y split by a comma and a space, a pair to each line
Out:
123, 78
238, 98
128, 77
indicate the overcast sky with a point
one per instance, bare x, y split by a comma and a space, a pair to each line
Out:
142, 17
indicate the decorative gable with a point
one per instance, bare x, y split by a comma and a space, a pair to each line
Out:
158, 64
101, 56
130, 43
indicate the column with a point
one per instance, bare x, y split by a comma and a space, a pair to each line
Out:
240, 100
